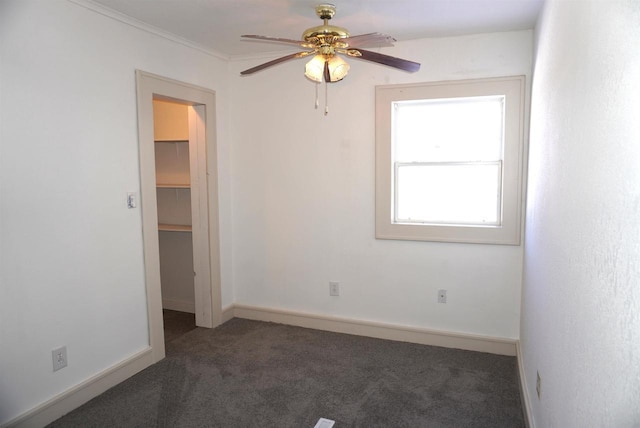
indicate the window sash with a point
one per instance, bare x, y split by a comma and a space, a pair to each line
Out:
396, 215
431, 134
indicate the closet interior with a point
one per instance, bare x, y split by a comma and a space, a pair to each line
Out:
173, 192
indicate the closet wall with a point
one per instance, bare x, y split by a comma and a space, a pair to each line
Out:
171, 134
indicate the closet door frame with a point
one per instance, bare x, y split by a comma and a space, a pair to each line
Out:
205, 230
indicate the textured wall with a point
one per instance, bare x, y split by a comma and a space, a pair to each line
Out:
304, 198
581, 298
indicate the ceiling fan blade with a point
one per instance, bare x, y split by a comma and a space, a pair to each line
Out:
327, 73
391, 61
370, 40
275, 40
277, 61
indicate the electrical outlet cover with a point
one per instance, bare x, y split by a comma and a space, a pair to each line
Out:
334, 288
59, 357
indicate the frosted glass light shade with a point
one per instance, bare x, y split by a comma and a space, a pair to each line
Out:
314, 68
338, 68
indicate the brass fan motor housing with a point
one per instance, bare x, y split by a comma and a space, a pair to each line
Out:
325, 35
325, 30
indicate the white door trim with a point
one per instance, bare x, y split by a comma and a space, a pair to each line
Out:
200, 216
208, 298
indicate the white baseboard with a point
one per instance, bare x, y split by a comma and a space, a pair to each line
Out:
378, 330
76, 396
227, 313
179, 305
524, 390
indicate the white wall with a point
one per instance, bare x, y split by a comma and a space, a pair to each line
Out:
72, 265
303, 201
581, 296
302, 185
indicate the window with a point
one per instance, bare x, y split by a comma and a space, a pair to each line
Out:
448, 161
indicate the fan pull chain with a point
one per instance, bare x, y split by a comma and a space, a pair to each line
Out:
317, 100
326, 98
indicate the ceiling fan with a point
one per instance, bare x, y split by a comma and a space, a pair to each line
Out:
326, 41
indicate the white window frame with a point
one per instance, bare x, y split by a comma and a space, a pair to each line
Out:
508, 232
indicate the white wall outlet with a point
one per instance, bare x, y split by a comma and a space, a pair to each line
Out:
59, 357
442, 296
334, 288
538, 384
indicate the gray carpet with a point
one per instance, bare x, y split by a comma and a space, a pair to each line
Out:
255, 374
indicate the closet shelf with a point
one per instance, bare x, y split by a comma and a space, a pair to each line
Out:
170, 141
173, 186
174, 228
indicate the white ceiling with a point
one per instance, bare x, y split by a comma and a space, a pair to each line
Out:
218, 24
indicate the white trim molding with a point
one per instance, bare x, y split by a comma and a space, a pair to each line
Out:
511, 91
136, 23
207, 293
76, 396
524, 390
401, 333
227, 313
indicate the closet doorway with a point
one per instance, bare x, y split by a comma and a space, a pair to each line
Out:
179, 201
176, 159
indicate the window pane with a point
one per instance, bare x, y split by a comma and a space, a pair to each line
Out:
448, 194
455, 129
